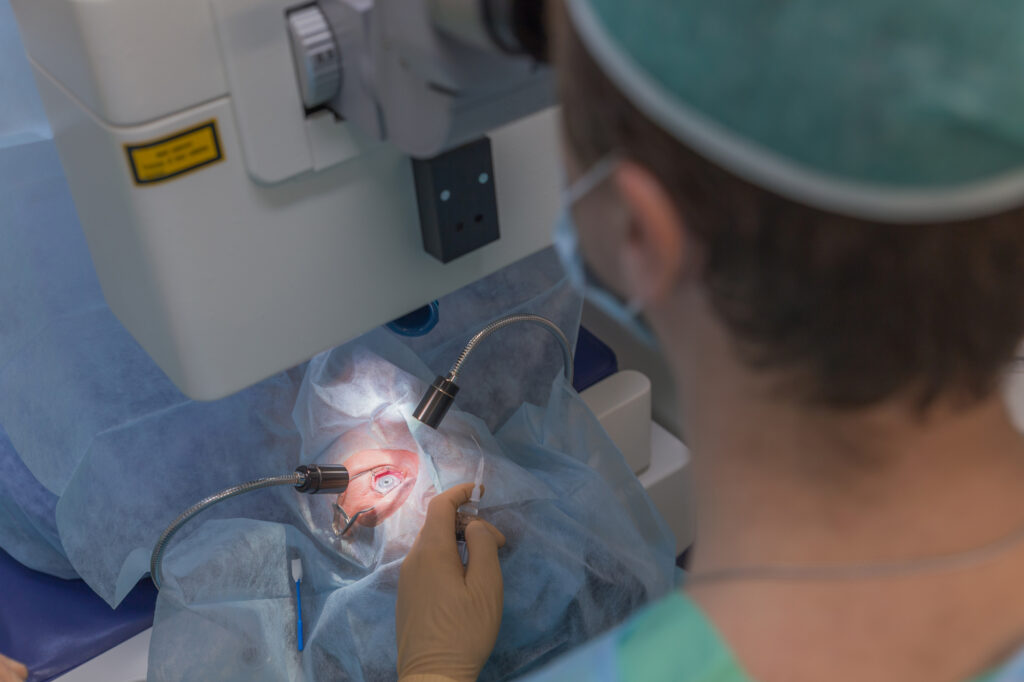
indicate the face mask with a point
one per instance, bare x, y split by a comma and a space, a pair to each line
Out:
566, 238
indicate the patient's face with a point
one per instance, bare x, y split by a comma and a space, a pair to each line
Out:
380, 481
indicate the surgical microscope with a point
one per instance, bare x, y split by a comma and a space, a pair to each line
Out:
241, 168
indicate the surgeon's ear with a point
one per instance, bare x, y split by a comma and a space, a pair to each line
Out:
655, 254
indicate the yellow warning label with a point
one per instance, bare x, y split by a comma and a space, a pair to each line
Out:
175, 155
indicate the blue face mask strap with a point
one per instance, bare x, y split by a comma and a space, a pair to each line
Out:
626, 312
594, 176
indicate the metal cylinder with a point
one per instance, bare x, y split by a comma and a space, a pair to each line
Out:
529, 23
513, 27
436, 402
322, 478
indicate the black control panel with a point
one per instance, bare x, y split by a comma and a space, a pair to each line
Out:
457, 202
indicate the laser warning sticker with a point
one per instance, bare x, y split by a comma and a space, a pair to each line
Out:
175, 155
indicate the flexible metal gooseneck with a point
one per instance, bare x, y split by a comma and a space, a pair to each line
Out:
308, 478
506, 321
156, 559
441, 394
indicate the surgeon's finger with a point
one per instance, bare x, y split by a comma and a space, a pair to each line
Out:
15, 667
439, 527
483, 571
499, 537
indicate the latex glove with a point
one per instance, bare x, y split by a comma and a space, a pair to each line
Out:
11, 670
448, 615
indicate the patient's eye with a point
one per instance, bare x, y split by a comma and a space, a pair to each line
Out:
386, 481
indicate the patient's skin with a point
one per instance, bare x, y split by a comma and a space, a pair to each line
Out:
381, 479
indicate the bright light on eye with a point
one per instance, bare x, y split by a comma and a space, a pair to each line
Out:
385, 483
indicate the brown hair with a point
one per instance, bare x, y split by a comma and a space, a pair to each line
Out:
855, 312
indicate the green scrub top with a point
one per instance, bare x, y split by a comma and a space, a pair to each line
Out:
670, 640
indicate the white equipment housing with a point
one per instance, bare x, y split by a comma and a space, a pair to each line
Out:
237, 232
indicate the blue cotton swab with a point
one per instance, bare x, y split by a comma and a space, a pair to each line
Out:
297, 577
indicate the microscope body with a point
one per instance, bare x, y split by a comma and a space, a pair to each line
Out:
238, 227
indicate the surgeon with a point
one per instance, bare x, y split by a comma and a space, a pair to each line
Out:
818, 208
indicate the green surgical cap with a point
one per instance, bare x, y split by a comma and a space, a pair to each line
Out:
887, 110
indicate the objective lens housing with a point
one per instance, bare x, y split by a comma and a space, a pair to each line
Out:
322, 478
513, 27
436, 402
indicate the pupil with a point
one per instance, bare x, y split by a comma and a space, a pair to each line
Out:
386, 483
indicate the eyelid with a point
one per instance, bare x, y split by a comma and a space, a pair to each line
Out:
390, 472
375, 469
367, 471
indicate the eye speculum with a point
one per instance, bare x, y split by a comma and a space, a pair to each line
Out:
342, 522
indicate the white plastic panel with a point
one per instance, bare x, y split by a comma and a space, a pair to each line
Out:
622, 403
261, 72
669, 482
332, 142
279, 141
411, 57
225, 281
130, 61
22, 118
632, 354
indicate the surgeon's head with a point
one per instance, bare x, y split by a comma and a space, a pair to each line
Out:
746, 287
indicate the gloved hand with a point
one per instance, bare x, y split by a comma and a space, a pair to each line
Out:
448, 615
12, 671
